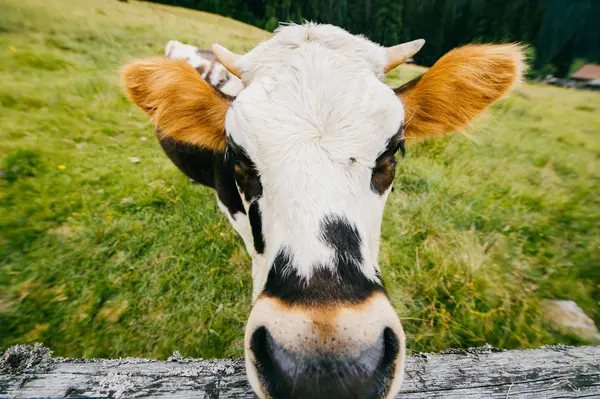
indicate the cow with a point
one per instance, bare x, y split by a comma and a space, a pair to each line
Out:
302, 161
207, 65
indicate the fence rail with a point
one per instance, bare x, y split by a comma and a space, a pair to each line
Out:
548, 372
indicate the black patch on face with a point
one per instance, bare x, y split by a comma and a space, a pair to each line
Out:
244, 170
255, 216
206, 167
384, 171
343, 237
345, 282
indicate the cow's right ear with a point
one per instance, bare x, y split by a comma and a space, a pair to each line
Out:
459, 86
182, 104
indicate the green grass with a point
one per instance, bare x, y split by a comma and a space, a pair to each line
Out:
100, 256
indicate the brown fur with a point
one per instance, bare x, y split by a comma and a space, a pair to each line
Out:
178, 100
458, 87
324, 318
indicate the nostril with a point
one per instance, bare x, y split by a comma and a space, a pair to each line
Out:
259, 341
386, 370
268, 371
391, 345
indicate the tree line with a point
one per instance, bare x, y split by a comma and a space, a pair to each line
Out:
562, 34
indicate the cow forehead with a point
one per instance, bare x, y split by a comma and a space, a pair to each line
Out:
337, 115
357, 51
314, 86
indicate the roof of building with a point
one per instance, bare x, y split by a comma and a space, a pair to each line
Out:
587, 72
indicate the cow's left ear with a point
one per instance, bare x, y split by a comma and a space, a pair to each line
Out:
182, 104
458, 87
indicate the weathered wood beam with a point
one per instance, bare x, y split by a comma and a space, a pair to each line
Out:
548, 372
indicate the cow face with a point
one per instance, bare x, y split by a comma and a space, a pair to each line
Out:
303, 160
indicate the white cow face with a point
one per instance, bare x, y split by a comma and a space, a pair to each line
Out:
303, 160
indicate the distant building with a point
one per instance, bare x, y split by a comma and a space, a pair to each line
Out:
588, 75
587, 72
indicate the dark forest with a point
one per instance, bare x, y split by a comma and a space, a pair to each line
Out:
562, 34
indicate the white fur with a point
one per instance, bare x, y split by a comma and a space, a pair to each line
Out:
314, 100
176, 50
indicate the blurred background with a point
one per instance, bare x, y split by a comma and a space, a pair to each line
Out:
564, 35
106, 249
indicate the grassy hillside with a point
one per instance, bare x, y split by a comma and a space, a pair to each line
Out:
101, 256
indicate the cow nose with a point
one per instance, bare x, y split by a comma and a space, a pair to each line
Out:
325, 373
337, 350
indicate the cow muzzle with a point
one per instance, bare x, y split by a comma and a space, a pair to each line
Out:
344, 350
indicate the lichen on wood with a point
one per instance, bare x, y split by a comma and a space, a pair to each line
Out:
486, 372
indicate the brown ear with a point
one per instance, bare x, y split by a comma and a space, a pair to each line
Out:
182, 104
459, 87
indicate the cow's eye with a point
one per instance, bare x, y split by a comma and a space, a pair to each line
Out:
383, 173
243, 171
384, 170
248, 181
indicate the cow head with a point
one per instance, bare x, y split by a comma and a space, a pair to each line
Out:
303, 160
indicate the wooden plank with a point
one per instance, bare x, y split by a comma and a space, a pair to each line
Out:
548, 372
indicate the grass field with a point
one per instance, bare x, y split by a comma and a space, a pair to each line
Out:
101, 256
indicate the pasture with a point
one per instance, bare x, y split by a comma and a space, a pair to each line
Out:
106, 249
